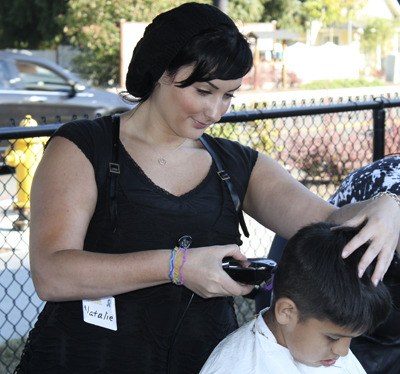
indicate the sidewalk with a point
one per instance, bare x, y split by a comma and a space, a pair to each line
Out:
289, 95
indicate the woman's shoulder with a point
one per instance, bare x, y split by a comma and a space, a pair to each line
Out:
85, 127
230, 144
237, 159
92, 137
231, 149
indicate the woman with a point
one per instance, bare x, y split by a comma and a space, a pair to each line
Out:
107, 212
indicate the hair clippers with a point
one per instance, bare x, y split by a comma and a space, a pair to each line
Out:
253, 271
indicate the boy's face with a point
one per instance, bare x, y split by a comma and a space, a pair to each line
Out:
316, 343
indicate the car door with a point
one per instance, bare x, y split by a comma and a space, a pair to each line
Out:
35, 89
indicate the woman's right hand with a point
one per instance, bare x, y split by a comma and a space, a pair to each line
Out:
203, 273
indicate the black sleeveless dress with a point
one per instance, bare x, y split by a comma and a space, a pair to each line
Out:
148, 339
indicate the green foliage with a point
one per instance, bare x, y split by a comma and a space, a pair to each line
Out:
245, 10
295, 14
259, 134
287, 13
331, 12
10, 353
31, 24
378, 32
93, 26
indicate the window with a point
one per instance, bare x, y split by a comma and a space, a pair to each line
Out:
37, 77
4, 76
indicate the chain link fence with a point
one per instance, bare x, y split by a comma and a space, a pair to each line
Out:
318, 142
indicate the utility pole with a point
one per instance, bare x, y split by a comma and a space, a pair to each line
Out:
222, 5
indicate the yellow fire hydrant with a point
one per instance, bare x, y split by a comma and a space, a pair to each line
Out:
24, 155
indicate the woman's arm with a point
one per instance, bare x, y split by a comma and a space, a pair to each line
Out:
276, 200
63, 199
284, 205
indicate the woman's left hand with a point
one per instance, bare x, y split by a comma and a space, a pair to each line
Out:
381, 230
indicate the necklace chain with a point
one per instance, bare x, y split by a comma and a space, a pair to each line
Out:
162, 160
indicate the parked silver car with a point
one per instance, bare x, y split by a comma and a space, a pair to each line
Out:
43, 89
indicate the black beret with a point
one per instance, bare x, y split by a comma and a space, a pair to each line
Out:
164, 38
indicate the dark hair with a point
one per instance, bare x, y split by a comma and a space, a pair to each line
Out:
191, 34
218, 53
324, 286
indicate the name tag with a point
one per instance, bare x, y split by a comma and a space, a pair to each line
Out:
100, 312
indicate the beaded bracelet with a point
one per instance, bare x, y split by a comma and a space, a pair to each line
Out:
395, 197
177, 260
171, 265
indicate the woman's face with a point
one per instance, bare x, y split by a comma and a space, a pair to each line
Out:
189, 111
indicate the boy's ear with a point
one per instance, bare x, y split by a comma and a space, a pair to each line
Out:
285, 311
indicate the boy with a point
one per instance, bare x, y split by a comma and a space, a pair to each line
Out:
319, 304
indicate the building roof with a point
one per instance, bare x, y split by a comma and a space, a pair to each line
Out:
275, 35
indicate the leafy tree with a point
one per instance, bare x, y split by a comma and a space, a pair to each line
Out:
287, 13
245, 10
93, 26
378, 32
31, 23
330, 12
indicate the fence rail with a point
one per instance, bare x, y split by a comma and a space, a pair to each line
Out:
319, 145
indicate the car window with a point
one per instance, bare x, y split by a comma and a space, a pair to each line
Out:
37, 77
4, 76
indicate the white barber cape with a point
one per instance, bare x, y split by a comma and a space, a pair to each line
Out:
253, 349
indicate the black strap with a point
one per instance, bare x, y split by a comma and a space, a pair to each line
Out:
223, 174
114, 171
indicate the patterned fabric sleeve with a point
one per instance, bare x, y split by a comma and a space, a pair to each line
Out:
364, 183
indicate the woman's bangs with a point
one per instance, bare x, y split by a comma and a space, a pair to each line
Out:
222, 54
224, 65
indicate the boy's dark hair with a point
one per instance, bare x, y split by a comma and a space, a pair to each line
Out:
324, 286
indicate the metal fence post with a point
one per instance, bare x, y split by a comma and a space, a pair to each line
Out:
379, 115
